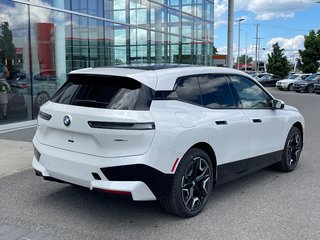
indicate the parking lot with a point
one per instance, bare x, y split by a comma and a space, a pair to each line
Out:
264, 205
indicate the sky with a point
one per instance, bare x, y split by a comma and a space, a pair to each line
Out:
282, 21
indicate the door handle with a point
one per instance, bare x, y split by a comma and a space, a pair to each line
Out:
221, 122
256, 120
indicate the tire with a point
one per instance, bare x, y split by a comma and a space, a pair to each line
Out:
310, 89
290, 87
190, 189
291, 151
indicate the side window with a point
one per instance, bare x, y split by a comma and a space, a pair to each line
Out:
188, 90
250, 94
216, 92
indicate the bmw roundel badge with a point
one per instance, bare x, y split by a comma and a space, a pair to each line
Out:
67, 120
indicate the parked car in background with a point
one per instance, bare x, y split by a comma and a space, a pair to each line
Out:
44, 86
287, 84
306, 85
269, 80
316, 87
259, 75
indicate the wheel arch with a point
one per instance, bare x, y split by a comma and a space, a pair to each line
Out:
300, 127
208, 150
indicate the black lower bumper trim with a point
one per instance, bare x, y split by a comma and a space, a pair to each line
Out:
158, 182
38, 173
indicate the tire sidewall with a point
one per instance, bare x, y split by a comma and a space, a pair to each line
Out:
177, 191
285, 166
310, 89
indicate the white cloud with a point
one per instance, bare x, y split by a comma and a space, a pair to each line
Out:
289, 44
262, 9
220, 11
17, 15
270, 9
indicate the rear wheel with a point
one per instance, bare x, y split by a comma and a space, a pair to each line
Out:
291, 151
192, 185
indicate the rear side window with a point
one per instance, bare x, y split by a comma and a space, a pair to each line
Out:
188, 90
216, 92
110, 92
208, 90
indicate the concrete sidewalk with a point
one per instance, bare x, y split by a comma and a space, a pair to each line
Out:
16, 151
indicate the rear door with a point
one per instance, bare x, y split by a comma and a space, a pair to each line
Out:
228, 126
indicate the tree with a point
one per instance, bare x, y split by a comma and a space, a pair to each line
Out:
6, 44
311, 55
214, 50
278, 63
242, 59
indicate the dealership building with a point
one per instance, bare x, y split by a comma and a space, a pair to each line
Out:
41, 41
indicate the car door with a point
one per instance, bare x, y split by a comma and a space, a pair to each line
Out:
266, 124
227, 125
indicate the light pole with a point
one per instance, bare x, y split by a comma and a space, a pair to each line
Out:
246, 52
230, 33
239, 20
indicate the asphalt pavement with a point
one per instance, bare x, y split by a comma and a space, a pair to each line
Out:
16, 151
267, 205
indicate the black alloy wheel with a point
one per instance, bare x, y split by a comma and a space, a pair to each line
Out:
192, 185
291, 151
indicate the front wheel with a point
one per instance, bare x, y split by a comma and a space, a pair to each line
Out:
290, 87
192, 185
310, 89
291, 152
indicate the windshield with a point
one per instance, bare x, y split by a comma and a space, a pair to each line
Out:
293, 76
313, 77
254, 75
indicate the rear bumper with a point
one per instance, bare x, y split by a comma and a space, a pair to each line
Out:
135, 174
137, 189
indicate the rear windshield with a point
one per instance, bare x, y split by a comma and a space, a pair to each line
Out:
110, 92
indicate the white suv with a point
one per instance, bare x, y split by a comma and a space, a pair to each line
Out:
287, 84
163, 132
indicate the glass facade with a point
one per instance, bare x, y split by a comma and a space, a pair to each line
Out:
41, 41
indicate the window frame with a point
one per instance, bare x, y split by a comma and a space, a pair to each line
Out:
233, 92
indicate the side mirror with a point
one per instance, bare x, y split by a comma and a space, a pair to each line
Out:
277, 104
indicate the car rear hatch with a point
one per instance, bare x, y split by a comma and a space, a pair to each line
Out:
105, 116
